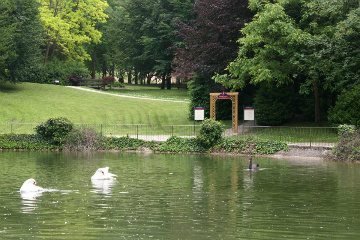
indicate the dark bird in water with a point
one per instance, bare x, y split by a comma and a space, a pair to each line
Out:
253, 166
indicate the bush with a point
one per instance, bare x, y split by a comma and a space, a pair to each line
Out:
251, 146
210, 133
123, 143
116, 84
178, 144
60, 70
108, 79
274, 106
347, 108
348, 147
24, 141
83, 139
344, 128
54, 130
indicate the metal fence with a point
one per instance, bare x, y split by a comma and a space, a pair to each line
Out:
301, 136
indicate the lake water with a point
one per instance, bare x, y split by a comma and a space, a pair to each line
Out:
174, 196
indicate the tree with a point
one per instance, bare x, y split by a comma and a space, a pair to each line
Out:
209, 40
208, 45
287, 42
70, 25
141, 34
20, 40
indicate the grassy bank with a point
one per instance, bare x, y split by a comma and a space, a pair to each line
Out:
31, 102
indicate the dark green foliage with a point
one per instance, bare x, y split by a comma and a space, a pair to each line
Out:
83, 139
86, 139
210, 133
274, 105
20, 40
348, 147
250, 146
60, 70
347, 108
54, 130
24, 141
116, 84
178, 144
199, 92
123, 143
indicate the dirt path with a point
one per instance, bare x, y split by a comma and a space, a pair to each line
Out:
125, 96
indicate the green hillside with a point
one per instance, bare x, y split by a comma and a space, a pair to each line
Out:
31, 102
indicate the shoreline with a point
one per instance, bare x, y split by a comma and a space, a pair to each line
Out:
294, 152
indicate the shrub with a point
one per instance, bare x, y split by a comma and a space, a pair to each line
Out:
24, 141
344, 128
348, 147
59, 70
108, 79
210, 133
178, 144
347, 108
54, 130
251, 146
83, 139
116, 84
273, 105
123, 143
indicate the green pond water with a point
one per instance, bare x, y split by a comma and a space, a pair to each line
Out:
174, 196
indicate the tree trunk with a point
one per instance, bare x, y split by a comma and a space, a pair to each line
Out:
47, 51
93, 71
136, 77
317, 102
148, 78
163, 80
168, 82
129, 77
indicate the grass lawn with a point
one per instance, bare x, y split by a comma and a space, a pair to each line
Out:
33, 103
152, 91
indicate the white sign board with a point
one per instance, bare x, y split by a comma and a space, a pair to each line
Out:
199, 113
249, 114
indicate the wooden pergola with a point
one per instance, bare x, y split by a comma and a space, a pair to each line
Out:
233, 96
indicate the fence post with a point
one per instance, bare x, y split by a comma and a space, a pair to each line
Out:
172, 130
11, 128
310, 136
101, 130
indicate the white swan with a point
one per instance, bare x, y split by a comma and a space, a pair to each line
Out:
103, 174
30, 186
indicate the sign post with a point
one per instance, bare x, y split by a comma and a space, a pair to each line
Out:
199, 115
249, 113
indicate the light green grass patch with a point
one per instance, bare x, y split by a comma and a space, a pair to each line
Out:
31, 102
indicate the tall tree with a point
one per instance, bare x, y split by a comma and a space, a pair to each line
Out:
70, 24
287, 42
142, 33
21, 35
210, 39
209, 44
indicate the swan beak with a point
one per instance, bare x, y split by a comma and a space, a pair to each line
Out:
102, 173
34, 183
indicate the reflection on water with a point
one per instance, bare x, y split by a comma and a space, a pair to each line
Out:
102, 186
170, 196
29, 201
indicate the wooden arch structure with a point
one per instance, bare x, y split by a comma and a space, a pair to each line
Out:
234, 106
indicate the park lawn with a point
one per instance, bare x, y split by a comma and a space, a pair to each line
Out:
152, 91
33, 103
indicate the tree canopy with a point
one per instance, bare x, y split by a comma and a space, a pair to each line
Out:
70, 24
295, 42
